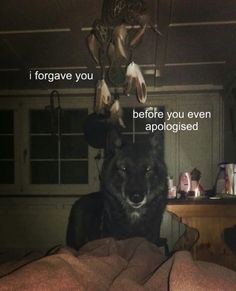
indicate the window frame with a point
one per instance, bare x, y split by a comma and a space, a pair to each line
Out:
8, 105
22, 186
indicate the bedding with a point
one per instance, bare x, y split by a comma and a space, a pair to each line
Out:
107, 264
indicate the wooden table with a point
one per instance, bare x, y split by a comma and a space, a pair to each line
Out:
210, 218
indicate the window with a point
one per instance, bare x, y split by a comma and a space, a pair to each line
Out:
58, 150
135, 128
26, 124
44, 152
7, 163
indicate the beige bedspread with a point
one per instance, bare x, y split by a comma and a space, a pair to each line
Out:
132, 265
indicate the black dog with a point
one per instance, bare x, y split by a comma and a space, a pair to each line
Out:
132, 198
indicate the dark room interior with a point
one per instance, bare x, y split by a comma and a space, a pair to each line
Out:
56, 57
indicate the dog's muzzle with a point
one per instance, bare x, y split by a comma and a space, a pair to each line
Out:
136, 200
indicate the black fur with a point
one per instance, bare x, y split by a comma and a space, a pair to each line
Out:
132, 198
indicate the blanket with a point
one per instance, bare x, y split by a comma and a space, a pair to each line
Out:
128, 265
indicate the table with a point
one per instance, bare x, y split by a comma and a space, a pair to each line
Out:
210, 218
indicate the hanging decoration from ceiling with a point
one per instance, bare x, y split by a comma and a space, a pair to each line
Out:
111, 44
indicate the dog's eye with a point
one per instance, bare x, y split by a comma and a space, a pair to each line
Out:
148, 169
122, 168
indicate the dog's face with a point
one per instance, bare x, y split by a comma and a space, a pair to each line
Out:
135, 174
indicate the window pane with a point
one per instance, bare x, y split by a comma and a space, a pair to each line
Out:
42, 121
142, 138
127, 138
73, 147
72, 121
6, 147
7, 175
44, 147
6, 121
70, 145
74, 172
128, 119
140, 123
44, 172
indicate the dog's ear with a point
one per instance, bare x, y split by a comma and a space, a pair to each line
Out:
157, 143
114, 141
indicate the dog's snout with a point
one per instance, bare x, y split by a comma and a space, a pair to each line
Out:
136, 197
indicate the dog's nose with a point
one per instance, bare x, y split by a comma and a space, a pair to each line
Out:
136, 197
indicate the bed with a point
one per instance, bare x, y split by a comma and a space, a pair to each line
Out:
107, 264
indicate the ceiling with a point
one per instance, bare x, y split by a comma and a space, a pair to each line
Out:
197, 46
